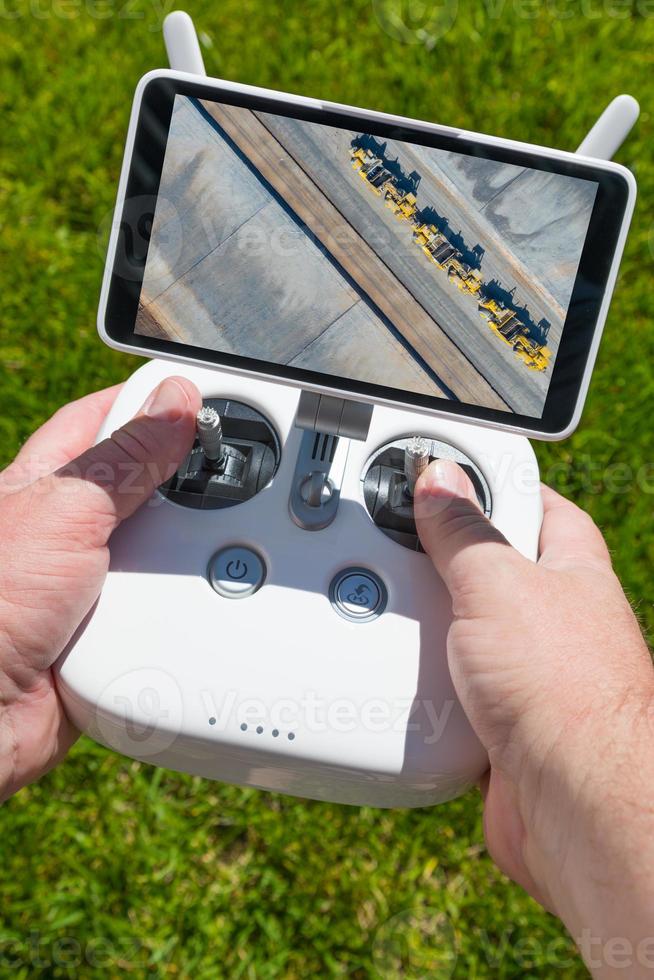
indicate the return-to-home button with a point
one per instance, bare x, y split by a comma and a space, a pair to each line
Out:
358, 594
236, 572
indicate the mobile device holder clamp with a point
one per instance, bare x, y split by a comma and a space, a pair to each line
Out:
268, 618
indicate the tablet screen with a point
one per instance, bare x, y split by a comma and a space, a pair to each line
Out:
444, 272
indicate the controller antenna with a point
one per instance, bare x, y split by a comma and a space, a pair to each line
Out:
416, 460
210, 435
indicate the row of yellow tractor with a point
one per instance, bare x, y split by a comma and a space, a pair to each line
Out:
502, 320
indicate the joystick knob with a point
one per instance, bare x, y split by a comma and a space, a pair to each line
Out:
416, 460
316, 489
210, 434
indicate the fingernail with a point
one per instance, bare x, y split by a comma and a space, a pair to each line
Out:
444, 474
168, 401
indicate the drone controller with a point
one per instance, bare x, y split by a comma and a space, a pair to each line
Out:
269, 618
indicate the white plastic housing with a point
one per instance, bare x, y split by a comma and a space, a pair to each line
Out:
371, 706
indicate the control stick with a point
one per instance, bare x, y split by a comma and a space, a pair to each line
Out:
234, 456
210, 435
389, 484
416, 461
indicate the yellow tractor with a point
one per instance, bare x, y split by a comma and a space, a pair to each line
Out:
503, 322
536, 358
407, 208
442, 252
434, 244
403, 206
378, 177
422, 235
472, 282
465, 278
360, 158
371, 169
508, 327
490, 309
393, 196
429, 239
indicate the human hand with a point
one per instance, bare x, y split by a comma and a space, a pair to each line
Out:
60, 500
552, 670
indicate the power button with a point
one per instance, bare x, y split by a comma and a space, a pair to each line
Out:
236, 572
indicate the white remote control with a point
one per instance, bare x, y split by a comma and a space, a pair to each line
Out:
268, 618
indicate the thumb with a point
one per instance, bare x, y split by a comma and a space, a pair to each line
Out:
463, 544
54, 531
112, 479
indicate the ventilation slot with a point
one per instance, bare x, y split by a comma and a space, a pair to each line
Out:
324, 447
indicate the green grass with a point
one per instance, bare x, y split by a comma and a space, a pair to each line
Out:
110, 867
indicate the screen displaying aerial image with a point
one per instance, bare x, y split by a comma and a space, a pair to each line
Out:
371, 259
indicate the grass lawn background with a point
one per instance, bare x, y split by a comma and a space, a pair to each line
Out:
109, 867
